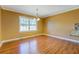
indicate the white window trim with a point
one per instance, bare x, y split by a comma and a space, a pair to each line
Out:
29, 27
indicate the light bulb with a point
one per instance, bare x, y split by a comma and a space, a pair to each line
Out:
38, 19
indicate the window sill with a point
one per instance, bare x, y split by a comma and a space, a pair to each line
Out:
28, 31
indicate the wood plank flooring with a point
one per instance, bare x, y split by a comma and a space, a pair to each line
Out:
40, 45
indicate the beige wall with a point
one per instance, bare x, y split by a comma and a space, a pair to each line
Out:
61, 24
10, 26
0, 23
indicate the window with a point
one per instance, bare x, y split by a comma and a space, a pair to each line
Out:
27, 24
33, 24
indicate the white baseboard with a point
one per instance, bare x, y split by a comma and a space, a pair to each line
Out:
63, 38
10, 40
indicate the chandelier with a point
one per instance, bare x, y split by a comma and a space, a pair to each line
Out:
37, 16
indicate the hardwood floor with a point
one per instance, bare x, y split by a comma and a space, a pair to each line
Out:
40, 45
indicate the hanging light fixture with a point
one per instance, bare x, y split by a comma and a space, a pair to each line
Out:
37, 17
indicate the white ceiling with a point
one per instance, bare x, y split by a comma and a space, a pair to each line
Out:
43, 10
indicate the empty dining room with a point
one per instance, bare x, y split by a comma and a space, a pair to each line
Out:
39, 29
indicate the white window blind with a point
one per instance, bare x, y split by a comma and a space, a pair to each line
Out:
27, 24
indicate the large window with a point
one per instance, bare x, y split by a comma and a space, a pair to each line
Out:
27, 24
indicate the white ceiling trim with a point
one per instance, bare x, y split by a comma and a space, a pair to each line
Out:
64, 11
44, 11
